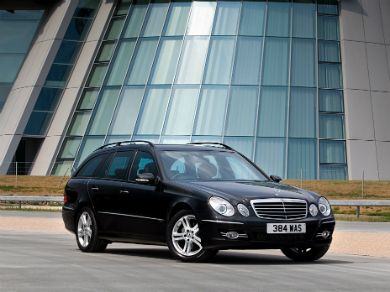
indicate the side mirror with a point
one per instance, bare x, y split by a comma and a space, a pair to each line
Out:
275, 178
146, 178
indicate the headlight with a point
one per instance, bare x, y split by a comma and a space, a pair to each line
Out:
313, 210
324, 206
243, 210
221, 206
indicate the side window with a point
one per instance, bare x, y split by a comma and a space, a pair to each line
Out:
144, 163
89, 169
119, 165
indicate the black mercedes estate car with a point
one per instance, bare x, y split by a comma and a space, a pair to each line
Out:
196, 199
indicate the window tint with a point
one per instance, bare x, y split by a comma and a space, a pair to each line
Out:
144, 163
119, 165
89, 169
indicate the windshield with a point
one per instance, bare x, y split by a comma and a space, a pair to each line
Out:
208, 165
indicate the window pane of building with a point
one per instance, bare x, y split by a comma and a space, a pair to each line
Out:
276, 56
177, 19
331, 101
10, 64
304, 20
38, 123
328, 51
247, 66
332, 126
62, 168
71, 145
192, 60
182, 111
90, 145
80, 123
243, 145
211, 112
278, 20
123, 7
121, 63
88, 99
219, 62
302, 159
115, 29
242, 111
155, 19
104, 111
302, 112
201, 18
328, 28
270, 155
252, 18
67, 52
127, 112
142, 62
328, 6
330, 76
153, 111
227, 16
303, 65
77, 29
58, 75
97, 75
106, 51
48, 99
332, 151
167, 58
272, 112
134, 25
333, 172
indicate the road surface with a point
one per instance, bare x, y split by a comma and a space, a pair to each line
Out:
48, 260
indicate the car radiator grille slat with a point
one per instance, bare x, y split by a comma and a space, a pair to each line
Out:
280, 208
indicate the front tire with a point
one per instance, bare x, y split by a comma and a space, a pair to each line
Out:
305, 254
184, 241
87, 232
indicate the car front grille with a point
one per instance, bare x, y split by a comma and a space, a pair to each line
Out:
280, 208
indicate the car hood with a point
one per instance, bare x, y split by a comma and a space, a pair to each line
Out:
246, 191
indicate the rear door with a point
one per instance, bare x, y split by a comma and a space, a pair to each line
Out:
106, 192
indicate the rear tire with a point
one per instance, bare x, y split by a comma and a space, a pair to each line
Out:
87, 232
183, 238
305, 254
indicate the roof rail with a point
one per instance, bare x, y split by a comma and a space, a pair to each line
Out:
121, 143
212, 144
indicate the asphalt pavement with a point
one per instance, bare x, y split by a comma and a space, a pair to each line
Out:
33, 261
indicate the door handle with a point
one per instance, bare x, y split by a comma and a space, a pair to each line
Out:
124, 192
95, 189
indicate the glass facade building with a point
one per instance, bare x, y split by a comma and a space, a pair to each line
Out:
262, 76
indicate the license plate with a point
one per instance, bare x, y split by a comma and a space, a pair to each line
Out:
286, 227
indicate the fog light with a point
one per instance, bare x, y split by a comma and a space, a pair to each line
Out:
325, 234
232, 235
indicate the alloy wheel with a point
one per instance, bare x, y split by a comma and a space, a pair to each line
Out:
185, 236
84, 229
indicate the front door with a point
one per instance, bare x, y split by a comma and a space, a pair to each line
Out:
146, 204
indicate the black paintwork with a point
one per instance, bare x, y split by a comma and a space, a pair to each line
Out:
128, 211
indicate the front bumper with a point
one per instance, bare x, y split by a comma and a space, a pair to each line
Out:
253, 234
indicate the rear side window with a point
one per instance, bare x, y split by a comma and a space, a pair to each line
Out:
89, 169
144, 163
119, 165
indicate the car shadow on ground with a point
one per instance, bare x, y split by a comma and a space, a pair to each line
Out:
223, 257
